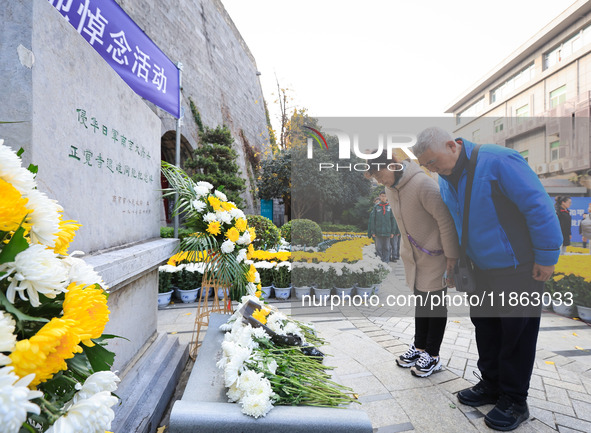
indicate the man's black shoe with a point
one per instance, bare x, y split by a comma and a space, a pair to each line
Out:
507, 414
480, 394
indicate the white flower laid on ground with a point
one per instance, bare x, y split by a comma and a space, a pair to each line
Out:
14, 400
261, 373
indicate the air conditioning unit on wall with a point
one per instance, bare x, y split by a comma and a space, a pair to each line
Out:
554, 166
541, 168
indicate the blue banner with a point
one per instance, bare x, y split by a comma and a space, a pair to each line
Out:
578, 207
126, 48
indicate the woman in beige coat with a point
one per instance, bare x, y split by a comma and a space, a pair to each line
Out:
429, 249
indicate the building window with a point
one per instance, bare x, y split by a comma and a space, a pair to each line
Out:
521, 113
498, 125
558, 96
471, 111
515, 81
525, 154
554, 150
567, 47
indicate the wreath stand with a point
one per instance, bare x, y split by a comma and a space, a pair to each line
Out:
207, 306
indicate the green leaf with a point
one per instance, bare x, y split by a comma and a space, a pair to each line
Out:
18, 313
33, 168
17, 244
20, 151
100, 358
80, 366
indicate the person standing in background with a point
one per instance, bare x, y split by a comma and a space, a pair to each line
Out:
382, 227
562, 205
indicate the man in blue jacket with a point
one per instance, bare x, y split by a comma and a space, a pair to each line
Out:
514, 242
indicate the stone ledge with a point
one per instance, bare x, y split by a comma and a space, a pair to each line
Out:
204, 406
121, 266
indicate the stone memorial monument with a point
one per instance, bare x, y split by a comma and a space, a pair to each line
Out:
97, 145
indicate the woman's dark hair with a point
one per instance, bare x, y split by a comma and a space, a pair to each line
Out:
559, 200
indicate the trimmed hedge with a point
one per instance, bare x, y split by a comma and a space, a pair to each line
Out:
305, 232
285, 231
267, 232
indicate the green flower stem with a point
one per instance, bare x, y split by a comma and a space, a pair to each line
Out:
53, 413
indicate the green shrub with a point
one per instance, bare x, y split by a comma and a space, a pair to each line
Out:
168, 232
330, 227
285, 231
267, 233
305, 232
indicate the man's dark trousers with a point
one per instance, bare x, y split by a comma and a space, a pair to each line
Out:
506, 336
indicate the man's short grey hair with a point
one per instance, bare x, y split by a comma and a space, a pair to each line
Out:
433, 138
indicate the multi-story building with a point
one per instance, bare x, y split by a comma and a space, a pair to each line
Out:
538, 101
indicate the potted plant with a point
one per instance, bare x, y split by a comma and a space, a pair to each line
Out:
365, 281
190, 283
582, 297
560, 300
164, 287
300, 278
282, 280
343, 281
324, 281
265, 270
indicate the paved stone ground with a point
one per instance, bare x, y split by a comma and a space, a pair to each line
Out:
365, 341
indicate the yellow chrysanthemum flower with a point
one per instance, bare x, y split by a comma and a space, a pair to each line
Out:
227, 206
251, 275
249, 252
88, 308
65, 236
45, 353
233, 234
215, 202
258, 293
253, 234
260, 316
12, 208
214, 228
241, 224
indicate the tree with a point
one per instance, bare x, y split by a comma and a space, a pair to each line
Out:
214, 162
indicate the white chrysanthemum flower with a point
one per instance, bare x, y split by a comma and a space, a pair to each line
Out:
7, 336
96, 383
200, 191
244, 239
220, 195
92, 415
36, 270
228, 246
12, 171
204, 184
287, 265
14, 400
241, 255
234, 394
292, 328
198, 205
210, 217
256, 405
251, 289
257, 278
236, 213
45, 222
249, 381
168, 268
81, 272
224, 216
260, 333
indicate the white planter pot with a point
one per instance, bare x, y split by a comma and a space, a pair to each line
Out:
221, 293
266, 292
164, 299
321, 294
301, 291
376, 288
341, 292
584, 313
188, 296
364, 291
563, 310
282, 292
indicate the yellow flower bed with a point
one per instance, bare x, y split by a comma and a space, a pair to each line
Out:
577, 250
256, 255
280, 256
579, 265
342, 235
346, 251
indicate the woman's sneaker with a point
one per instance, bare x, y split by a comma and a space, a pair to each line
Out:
426, 365
409, 358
